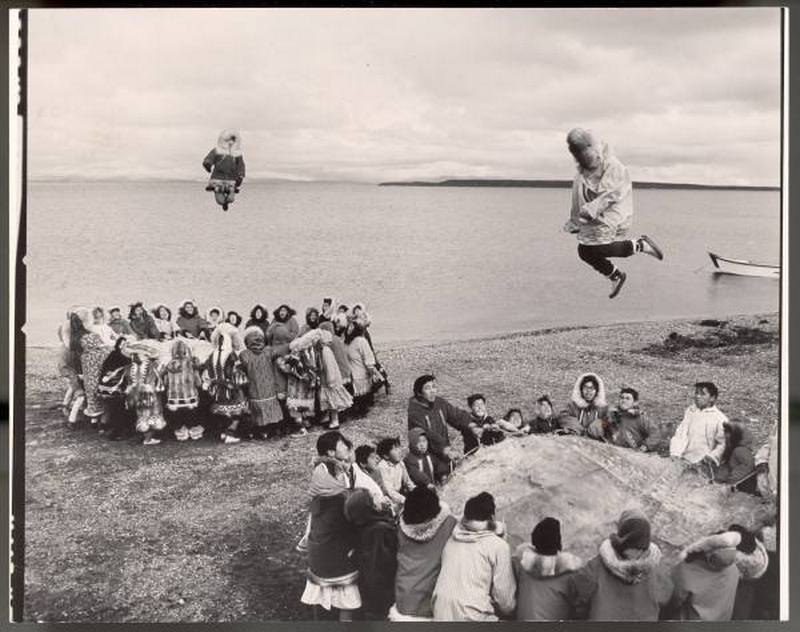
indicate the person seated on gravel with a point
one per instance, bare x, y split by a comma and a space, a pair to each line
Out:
587, 409
737, 466
424, 468
490, 432
630, 428
431, 413
700, 437
513, 424
544, 421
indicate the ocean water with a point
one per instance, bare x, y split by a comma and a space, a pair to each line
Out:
430, 263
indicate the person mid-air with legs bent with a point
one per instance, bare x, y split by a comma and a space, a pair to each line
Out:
602, 208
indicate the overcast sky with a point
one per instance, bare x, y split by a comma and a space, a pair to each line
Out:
686, 95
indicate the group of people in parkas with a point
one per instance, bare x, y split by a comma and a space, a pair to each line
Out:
431, 565
418, 561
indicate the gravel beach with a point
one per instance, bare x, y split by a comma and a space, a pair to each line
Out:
199, 531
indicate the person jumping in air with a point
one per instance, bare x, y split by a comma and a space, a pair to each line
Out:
225, 163
602, 208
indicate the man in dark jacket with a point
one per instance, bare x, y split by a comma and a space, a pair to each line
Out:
433, 414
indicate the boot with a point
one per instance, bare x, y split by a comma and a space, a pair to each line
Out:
647, 246
617, 278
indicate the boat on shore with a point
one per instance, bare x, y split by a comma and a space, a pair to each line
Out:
742, 267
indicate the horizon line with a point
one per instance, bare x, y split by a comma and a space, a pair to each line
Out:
411, 182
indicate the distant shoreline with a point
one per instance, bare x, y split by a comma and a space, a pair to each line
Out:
563, 184
451, 182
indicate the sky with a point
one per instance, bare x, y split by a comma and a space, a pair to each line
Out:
369, 95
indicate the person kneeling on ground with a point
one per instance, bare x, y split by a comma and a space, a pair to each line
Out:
587, 409
706, 579
424, 468
543, 573
433, 414
629, 426
737, 466
476, 582
700, 437
623, 582
375, 553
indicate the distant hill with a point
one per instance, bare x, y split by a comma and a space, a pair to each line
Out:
562, 184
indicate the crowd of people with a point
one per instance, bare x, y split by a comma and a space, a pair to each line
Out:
382, 544
195, 376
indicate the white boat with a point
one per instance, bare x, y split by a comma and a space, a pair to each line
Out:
741, 267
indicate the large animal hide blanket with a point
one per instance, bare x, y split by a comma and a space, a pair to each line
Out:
586, 484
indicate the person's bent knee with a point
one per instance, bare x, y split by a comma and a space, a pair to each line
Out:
586, 254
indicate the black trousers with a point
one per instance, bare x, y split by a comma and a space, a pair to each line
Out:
597, 256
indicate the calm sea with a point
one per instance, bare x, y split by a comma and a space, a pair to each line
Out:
429, 263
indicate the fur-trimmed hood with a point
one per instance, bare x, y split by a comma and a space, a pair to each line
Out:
629, 571
599, 400
157, 309
474, 530
254, 339
229, 143
221, 315
753, 565
309, 311
542, 566
740, 434
425, 531
265, 316
711, 543
225, 340
413, 436
182, 312
181, 358
289, 310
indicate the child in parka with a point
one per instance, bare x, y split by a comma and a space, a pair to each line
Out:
223, 378
424, 467
262, 382
182, 379
143, 393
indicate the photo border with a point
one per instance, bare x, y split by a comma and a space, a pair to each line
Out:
789, 437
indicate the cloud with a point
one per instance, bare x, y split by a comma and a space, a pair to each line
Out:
375, 94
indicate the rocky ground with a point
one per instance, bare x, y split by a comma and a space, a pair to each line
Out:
116, 531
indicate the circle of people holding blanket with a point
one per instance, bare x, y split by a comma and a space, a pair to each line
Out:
380, 543
196, 376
